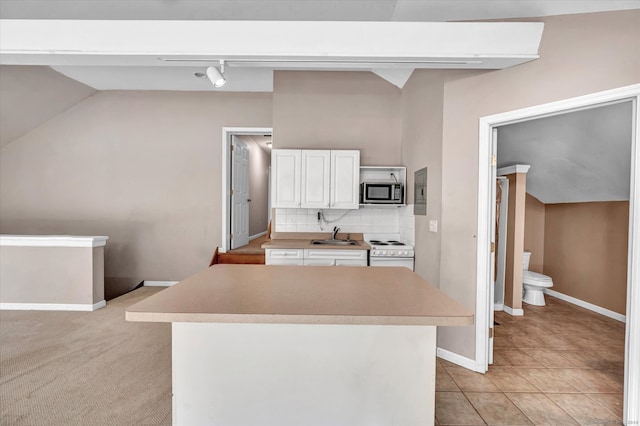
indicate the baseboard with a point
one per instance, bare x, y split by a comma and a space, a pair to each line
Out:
253, 237
159, 283
52, 306
514, 312
498, 306
456, 359
594, 308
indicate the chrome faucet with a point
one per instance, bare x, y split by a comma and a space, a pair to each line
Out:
335, 232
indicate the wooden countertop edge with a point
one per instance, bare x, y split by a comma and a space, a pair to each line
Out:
302, 240
306, 244
298, 319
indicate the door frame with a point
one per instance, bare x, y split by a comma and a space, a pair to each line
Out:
486, 126
227, 132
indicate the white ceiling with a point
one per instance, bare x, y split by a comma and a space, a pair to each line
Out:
304, 10
131, 54
133, 75
582, 156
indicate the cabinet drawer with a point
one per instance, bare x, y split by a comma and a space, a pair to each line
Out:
284, 253
335, 254
283, 256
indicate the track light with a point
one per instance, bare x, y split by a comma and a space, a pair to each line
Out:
216, 76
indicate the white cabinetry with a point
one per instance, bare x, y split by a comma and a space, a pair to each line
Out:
313, 179
286, 173
315, 257
316, 172
284, 256
345, 179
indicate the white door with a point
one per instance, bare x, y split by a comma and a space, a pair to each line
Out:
316, 170
285, 178
239, 193
345, 179
494, 159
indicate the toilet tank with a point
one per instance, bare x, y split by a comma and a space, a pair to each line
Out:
526, 257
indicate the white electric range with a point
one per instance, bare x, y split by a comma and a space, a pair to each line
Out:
389, 250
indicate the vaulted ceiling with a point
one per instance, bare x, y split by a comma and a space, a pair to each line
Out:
582, 156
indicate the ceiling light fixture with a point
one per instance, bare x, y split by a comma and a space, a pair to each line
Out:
216, 76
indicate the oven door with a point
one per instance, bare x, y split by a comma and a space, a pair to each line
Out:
407, 262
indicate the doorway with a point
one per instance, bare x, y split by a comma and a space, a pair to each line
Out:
246, 208
486, 204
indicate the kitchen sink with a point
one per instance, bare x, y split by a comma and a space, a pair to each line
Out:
335, 242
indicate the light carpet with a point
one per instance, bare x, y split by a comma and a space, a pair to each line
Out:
85, 368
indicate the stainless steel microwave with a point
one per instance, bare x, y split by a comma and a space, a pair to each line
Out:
381, 193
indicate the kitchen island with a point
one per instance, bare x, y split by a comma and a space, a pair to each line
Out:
288, 345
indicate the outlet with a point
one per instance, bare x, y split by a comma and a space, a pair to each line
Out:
433, 226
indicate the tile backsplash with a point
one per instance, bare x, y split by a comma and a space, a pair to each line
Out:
397, 220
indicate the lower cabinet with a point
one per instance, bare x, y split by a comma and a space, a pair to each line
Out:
284, 256
315, 257
335, 257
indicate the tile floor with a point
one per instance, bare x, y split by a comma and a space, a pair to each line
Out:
559, 364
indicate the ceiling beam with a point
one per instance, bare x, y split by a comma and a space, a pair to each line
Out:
277, 45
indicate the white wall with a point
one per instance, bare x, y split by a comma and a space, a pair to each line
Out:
396, 220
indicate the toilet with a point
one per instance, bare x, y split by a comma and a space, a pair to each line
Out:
533, 283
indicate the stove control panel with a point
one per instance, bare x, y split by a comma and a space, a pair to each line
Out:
392, 253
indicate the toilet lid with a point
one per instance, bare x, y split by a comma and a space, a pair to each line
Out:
535, 277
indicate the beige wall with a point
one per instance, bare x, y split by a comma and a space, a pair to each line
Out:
579, 54
534, 217
585, 250
259, 161
32, 95
338, 110
143, 168
422, 98
57, 275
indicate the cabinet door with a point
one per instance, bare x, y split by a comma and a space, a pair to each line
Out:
351, 262
345, 179
319, 262
285, 174
316, 170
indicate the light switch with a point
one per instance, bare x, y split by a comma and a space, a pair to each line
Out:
433, 225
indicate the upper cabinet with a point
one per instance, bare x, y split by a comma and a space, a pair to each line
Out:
313, 179
316, 171
345, 179
285, 178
